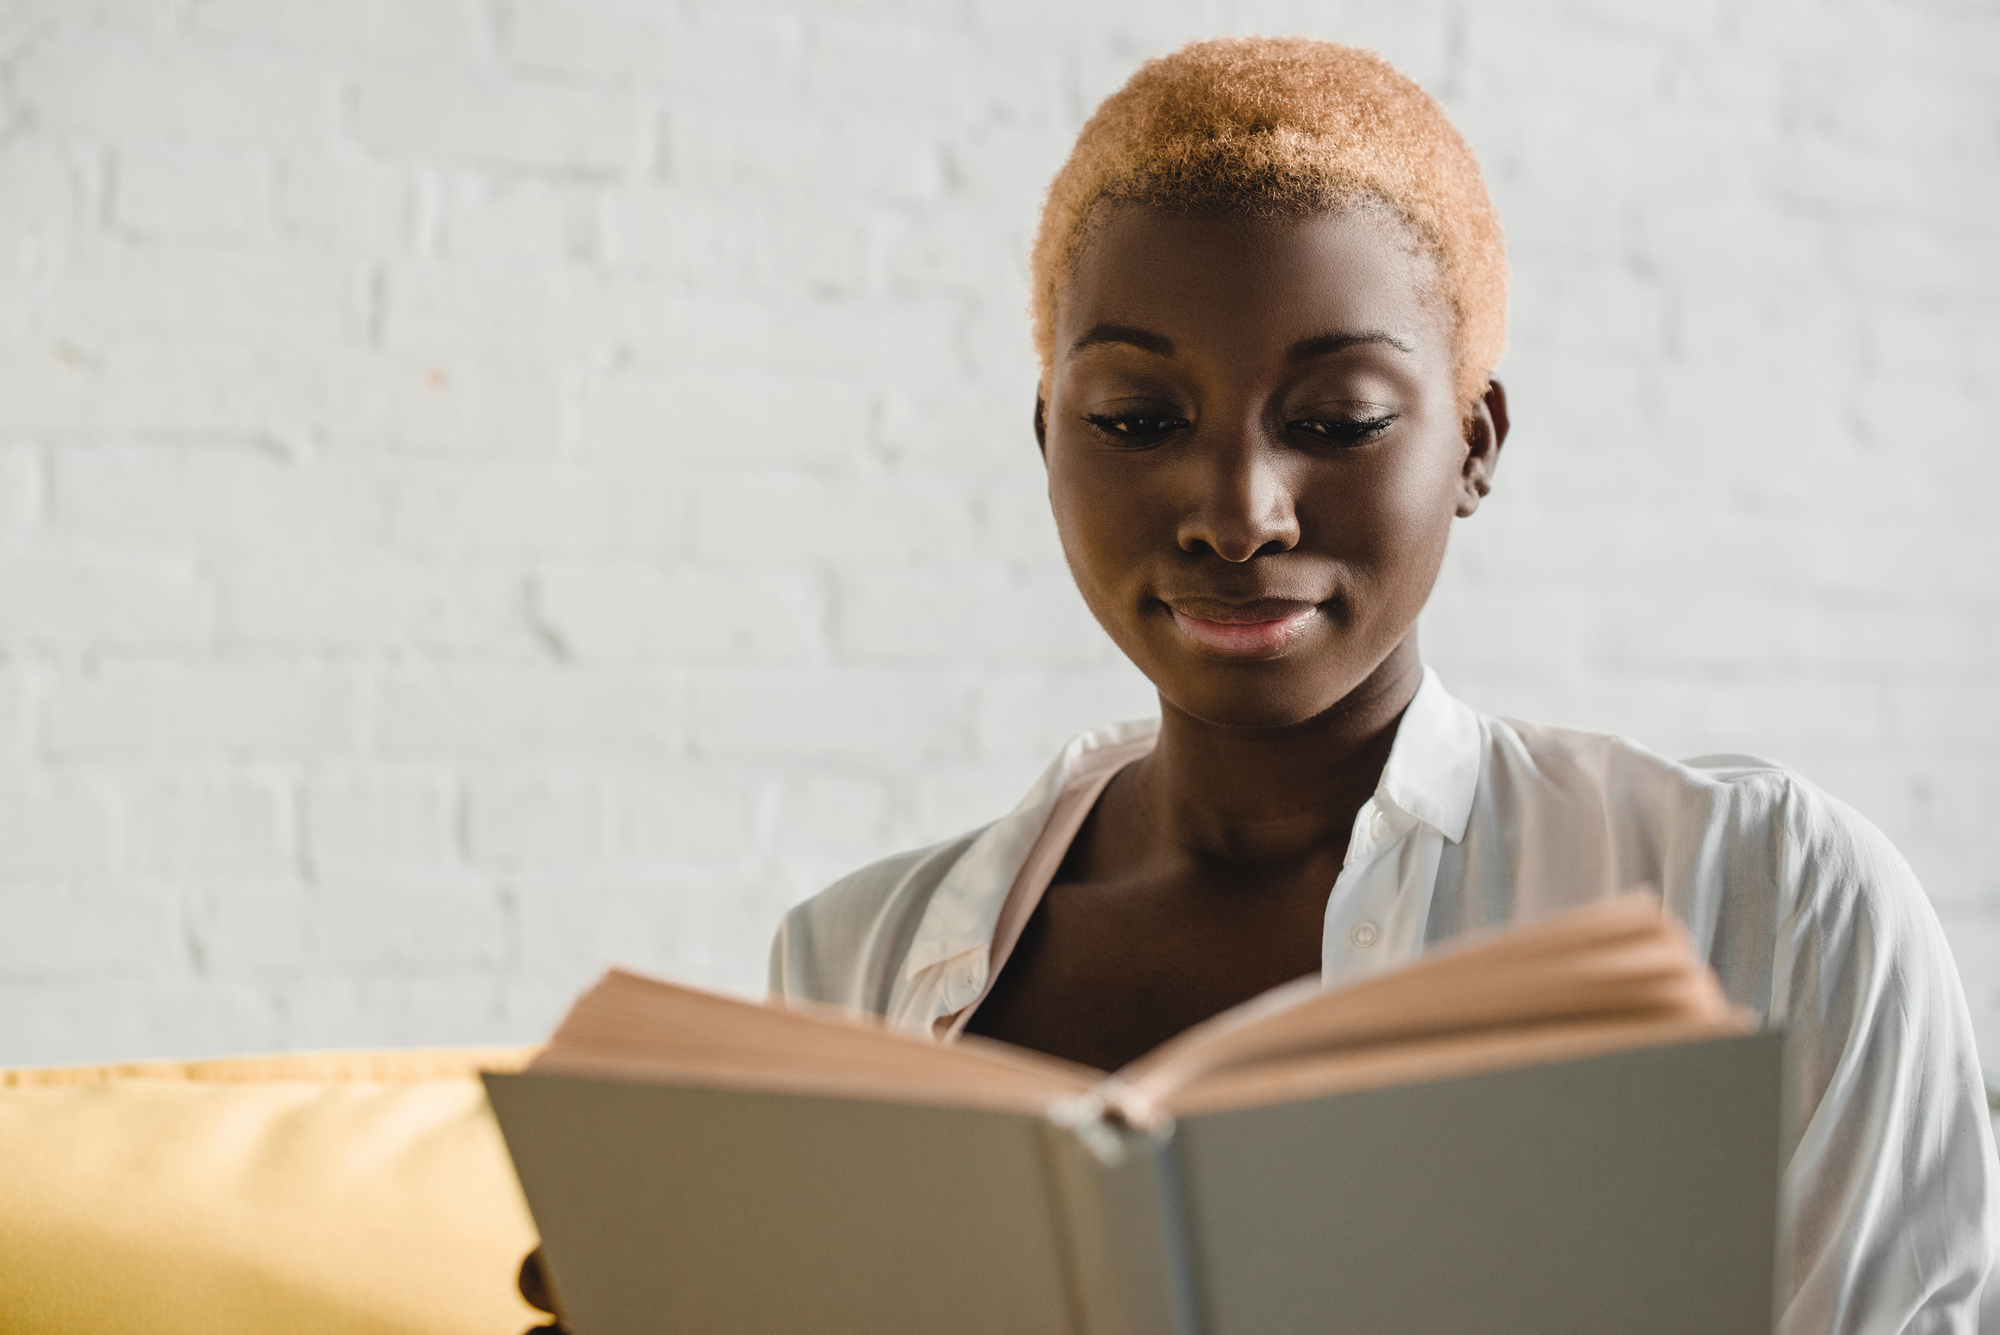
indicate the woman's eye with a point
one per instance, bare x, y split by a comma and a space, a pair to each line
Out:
1344, 430
1136, 427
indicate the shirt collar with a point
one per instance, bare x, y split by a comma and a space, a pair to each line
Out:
1432, 771
965, 907
1433, 766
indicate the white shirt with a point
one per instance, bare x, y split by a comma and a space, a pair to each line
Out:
1808, 915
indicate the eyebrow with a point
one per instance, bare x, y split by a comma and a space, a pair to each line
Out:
1144, 339
1308, 348
1320, 345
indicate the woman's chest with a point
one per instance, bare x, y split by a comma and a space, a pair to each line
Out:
1106, 970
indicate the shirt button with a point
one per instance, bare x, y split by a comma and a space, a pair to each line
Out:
1365, 934
1378, 824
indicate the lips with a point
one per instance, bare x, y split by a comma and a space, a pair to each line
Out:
1259, 628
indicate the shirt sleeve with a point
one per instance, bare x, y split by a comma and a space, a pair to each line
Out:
1890, 1182
780, 985
846, 945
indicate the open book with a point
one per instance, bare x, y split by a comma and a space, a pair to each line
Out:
1558, 1127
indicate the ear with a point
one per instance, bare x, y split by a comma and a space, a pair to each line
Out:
1485, 433
1042, 424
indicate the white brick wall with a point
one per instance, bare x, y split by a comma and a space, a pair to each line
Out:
489, 487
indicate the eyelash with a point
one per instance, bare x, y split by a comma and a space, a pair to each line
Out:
1345, 431
1128, 429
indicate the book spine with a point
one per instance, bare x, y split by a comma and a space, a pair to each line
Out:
1119, 1200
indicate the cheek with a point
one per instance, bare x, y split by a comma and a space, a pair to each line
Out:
1393, 524
1105, 541
1078, 529
1422, 504
1063, 501
1094, 519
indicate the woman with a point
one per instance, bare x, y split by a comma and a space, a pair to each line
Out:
1270, 290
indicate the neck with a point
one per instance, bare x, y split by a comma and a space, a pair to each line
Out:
1268, 797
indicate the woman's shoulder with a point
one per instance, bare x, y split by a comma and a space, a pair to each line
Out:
1811, 919
843, 945
1528, 763
1725, 828
1612, 756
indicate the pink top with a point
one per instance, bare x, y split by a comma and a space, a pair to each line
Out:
1073, 804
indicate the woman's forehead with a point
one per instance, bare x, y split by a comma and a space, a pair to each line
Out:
1253, 282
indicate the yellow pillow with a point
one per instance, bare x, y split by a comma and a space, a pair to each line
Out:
362, 1193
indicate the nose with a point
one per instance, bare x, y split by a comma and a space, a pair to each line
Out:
1239, 501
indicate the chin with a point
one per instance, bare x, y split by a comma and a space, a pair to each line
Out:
1248, 699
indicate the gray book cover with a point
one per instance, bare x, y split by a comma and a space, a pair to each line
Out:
1635, 1192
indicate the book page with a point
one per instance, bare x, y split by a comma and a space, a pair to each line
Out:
1382, 1065
637, 1028
1617, 963
1610, 974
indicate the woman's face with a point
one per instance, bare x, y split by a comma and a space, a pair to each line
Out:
1255, 454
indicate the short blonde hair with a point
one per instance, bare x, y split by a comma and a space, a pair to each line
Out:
1284, 127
